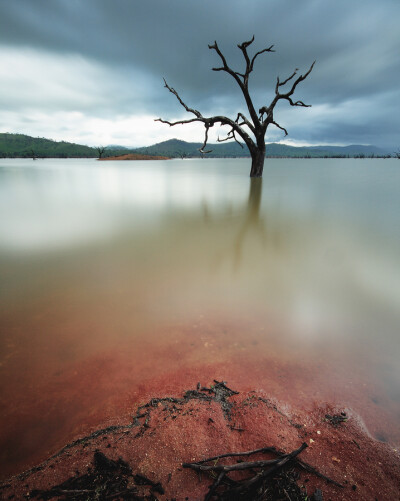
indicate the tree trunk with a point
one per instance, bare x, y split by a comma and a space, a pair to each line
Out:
257, 162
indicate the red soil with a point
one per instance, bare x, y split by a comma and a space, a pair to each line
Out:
199, 429
107, 387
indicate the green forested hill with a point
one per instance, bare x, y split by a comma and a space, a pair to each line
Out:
20, 145
177, 148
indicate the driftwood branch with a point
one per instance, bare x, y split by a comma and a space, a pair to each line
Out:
199, 465
263, 475
221, 471
261, 471
233, 467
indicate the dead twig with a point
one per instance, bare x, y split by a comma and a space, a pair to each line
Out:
266, 468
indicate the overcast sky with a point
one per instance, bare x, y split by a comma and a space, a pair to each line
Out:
91, 71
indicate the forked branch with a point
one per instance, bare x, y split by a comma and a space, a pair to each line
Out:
287, 95
229, 136
257, 123
208, 122
250, 63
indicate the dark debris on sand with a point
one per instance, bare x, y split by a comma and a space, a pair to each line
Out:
272, 476
108, 479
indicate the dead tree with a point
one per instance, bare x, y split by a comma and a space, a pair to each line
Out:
251, 130
100, 150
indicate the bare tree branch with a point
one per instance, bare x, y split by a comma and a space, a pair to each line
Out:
287, 95
210, 121
257, 124
242, 79
230, 135
202, 150
280, 84
178, 122
243, 47
225, 66
245, 122
190, 110
279, 127
299, 103
250, 63
269, 110
268, 49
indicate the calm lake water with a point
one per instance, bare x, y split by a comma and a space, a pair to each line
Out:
120, 279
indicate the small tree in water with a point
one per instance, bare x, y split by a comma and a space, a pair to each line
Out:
100, 151
253, 130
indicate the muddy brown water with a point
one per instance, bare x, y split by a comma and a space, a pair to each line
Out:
123, 281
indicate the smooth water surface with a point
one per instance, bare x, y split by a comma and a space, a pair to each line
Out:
116, 274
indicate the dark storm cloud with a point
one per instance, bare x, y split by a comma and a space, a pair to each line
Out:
353, 88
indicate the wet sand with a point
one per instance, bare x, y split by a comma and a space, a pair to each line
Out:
112, 384
156, 439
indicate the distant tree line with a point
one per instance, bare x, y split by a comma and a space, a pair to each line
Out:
22, 146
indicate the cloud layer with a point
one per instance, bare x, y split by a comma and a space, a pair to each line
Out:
91, 70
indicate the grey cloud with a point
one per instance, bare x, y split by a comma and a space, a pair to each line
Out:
355, 45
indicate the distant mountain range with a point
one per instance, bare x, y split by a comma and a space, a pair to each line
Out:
20, 145
178, 148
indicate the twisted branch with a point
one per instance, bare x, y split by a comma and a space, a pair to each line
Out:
202, 150
236, 75
245, 485
230, 135
208, 122
280, 127
259, 122
287, 95
250, 63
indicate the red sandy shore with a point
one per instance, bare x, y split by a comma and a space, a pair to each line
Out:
135, 156
276, 391
198, 429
